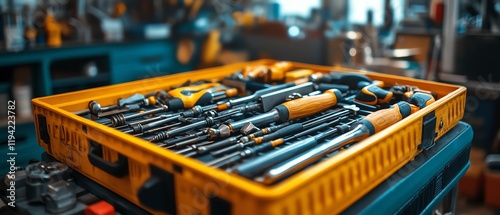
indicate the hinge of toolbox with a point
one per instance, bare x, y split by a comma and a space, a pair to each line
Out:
428, 131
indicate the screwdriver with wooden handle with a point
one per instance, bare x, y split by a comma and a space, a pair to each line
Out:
369, 125
294, 109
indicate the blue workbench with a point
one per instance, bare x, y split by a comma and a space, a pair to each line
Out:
422, 184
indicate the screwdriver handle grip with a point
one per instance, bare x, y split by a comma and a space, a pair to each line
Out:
373, 94
307, 106
200, 95
345, 78
381, 119
341, 87
421, 99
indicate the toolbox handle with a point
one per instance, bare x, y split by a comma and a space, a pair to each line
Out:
118, 169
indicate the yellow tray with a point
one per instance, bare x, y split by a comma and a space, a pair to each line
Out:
163, 182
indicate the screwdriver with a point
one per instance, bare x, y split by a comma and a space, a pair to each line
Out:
156, 129
250, 151
294, 128
170, 142
188, 97
208, 121
182, 97
138, 127
143, 121
370, 125
286, 131
192, 148
373, 94
260, 164
189, 140
240, 138
290, 110
220, 144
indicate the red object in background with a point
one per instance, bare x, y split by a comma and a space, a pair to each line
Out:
471, 184
438, 17
100, 208
492, 188
436, 11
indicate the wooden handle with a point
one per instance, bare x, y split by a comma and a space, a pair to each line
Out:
382, 119
311, 105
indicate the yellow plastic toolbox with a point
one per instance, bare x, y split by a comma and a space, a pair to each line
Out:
163, 182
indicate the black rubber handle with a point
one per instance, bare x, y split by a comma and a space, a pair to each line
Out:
373, 95
118, 169
421, 99
205, 99
349, 79
343, 88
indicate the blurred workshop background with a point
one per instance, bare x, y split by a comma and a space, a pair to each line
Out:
55, 46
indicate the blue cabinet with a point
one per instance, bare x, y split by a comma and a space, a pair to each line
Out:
69, 68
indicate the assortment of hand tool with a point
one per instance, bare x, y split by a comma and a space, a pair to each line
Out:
264, 122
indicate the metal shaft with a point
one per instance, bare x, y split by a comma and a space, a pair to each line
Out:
226, 130
138, 128
282, 170
120, 119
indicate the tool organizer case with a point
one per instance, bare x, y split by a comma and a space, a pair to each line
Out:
163, 182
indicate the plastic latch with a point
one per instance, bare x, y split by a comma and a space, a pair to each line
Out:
42, 129
219, 206
158, 192
428, 131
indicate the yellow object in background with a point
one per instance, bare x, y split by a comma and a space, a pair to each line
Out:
185, 50
120, 9
30, 33
297, 74
211, 49
53, 30
248, 19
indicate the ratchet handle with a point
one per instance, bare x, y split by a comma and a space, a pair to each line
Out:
307, 106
